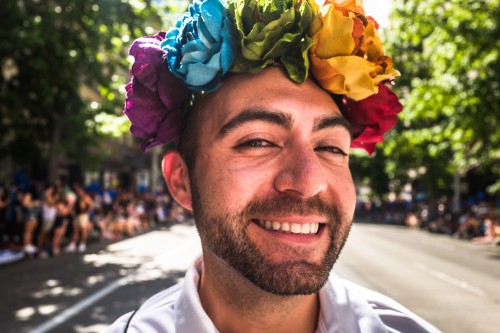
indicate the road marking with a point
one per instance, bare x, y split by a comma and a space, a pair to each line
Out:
450, 279
88, 301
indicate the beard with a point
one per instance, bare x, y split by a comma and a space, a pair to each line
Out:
225, 235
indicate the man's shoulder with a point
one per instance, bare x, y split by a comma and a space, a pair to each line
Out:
165, 298
156, 312
366, 303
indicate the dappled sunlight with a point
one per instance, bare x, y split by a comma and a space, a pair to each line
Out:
139, 251
47, 309
135, 251
27, 313
57, 291
122, 259
92, 280
90, 329
151, 274
140, 266
52, 283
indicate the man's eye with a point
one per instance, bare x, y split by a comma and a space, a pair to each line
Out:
332, 149
254, 143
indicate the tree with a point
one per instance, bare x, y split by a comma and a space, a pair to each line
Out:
448, 54
63, 62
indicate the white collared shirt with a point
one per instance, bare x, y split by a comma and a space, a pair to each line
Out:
345, 308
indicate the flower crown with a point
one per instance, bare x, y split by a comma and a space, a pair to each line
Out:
335, 43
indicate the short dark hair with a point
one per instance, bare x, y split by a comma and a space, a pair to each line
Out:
194, 116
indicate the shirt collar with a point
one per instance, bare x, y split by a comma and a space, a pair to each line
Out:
340, 311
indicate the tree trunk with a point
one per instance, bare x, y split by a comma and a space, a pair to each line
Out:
53, 150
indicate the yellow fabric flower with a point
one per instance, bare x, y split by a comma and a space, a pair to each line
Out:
347, 57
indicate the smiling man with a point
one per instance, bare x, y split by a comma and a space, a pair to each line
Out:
262, 160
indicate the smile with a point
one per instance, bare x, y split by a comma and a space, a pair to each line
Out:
292, 228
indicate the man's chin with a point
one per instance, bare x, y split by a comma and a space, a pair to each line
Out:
290, 279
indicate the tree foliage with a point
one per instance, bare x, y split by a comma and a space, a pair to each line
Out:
63, 62
448, 54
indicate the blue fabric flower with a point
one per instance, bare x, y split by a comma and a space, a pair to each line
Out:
202, 46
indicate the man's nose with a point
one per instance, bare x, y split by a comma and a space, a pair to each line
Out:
301, 174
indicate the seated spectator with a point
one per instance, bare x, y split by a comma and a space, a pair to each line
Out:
491, 233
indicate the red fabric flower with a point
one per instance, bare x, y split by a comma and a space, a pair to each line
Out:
372, 117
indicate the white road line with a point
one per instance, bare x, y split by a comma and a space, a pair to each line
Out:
450, 279
88, 301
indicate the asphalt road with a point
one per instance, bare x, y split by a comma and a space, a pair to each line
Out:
452, 283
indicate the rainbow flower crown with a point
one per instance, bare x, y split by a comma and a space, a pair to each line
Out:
335, 43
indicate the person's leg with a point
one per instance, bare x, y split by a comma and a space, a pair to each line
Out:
76, 231
29, 229
59, 232
84, 229
75, 234
42, 239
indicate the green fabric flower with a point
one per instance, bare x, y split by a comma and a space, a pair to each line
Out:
273, 31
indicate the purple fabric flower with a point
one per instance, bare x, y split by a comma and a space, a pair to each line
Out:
155, 98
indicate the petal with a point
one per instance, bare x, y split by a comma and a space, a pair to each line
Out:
148, 57
199, 75
212, 13
335, 36
357, 82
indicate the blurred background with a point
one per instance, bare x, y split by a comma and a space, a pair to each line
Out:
434, 182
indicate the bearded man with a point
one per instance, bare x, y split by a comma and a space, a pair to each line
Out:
265, 110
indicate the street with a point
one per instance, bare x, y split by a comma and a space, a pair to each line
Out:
452, 283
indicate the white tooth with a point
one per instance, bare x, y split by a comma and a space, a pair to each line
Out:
296, 228
314, 228
306, 228
285, 226
269, 225
276, 226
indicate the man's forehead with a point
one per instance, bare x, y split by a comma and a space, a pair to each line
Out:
268, 90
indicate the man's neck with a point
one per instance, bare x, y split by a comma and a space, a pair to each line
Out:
235, 305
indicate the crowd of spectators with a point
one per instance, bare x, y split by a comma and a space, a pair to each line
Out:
476, 220
39, 221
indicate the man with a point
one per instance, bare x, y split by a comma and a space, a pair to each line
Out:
263, 163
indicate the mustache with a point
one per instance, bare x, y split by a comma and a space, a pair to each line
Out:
291, 206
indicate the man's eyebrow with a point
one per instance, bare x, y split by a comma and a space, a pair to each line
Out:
249, 115
333, 121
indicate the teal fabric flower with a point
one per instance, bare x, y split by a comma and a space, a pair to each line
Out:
202, 46
273, 32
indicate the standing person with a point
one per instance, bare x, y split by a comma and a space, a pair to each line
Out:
64, 206
81, 223
49, 212
263, 163
30, 204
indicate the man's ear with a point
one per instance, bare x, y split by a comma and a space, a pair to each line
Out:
176, 176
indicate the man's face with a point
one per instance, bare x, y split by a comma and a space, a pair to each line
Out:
271, 188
